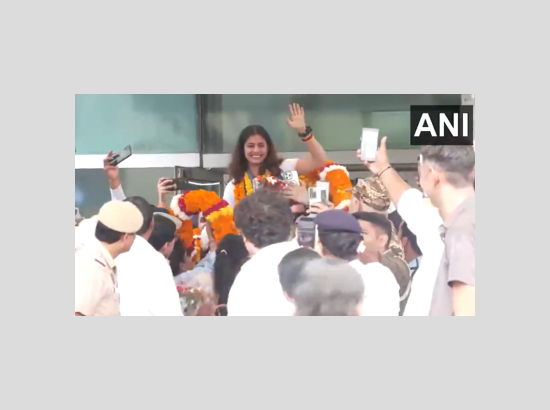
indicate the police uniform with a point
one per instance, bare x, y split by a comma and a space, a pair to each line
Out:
95, 282
96, 292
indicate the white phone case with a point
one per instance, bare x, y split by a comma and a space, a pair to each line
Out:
369, 144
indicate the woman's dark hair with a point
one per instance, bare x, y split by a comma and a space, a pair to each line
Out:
292, 266
231, 254
107, 235
239, 163
178, 256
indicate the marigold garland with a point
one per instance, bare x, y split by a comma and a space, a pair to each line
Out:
338, 177
221, 220
245, 188
197, 254
216, 211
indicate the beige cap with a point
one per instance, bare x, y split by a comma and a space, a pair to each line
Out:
123, 217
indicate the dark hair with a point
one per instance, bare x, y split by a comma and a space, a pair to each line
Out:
239, 163
379, 220
292, 266
457, 162
395, 219
264, 218
330, 287
145, 209
176, 257
164, 232
231, 254
343, 245
107, 235
407, 233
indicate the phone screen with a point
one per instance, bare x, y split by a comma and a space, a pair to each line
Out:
369, 144
306, 232
180, 184
118, 157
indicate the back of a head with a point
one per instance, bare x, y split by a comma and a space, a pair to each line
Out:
395, 219
407, 233
231, 254
291, 268
457, 162
330, 287
164, 232
339, 234
264, 218
146, 210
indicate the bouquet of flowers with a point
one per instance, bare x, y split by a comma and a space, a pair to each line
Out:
264, 181
196, 302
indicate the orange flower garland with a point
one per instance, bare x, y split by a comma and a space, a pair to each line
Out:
197, 241
216, 211
221, 220
245, 188
338, 177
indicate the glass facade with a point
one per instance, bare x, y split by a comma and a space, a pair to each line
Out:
150, 123
337, 119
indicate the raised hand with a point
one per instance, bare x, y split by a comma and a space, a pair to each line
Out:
111, 171
381, 162
298, 193
164, 187
297, 119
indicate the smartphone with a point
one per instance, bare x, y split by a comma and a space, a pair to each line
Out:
323, 190
123, 155
291, 178
306, 233
369, 144
314, 195
180, 184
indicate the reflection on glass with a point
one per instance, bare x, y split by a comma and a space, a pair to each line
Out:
337, 120
150, 123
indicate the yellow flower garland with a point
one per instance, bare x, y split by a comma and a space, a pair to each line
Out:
245, 188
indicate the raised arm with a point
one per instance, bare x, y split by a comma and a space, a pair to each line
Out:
117, 194
317, 156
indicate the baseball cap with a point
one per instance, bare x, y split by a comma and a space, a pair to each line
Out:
123, 217
337, 221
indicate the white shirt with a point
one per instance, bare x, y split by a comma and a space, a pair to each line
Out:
257, 290
381, 289
229, 193
424, 221
146, 284
118, 194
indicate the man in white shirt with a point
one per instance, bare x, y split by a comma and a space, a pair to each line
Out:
341, 236
424, 221
265, 221
146, 282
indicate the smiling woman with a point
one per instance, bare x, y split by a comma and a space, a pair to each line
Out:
255, 155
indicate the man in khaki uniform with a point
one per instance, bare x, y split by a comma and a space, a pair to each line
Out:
95, 271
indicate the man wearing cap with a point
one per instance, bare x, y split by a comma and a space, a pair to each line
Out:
341, 236
95, 271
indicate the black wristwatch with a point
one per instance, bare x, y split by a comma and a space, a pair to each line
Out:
306, 134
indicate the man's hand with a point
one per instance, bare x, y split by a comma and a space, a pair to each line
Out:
297, 119
381, 162
111, 171
298, 193
165, 186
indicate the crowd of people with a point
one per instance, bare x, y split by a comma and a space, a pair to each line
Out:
381, 247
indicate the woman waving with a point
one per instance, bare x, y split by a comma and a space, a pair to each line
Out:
255, 155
